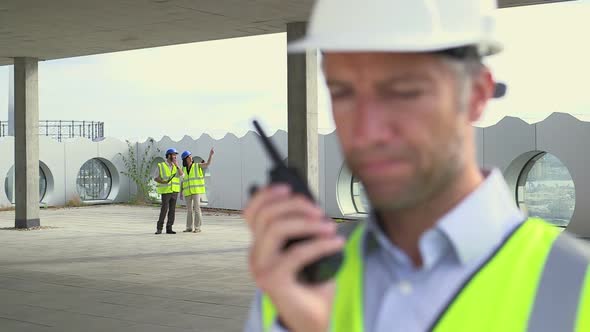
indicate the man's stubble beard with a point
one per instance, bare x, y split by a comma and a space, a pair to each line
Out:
424, 187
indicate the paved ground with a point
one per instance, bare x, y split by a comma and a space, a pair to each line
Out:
102, 269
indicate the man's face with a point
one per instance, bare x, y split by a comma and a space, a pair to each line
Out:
172, 158
400, 123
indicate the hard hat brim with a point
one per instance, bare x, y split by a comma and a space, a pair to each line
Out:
376, 45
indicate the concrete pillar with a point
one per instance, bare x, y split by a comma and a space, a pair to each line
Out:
11, 101
302, 89
26, 142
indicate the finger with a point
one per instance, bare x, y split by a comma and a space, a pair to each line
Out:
284, 268
306, 252
279, 210
271, 243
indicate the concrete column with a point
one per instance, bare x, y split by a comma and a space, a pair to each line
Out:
26, 142
302, 89
11, 101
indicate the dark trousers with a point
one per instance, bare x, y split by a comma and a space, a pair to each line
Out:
168, 206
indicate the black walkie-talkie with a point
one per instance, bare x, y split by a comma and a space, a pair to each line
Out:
326, 267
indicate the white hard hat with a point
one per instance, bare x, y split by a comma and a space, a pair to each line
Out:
400, 26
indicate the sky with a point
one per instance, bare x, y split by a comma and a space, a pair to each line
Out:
218, 87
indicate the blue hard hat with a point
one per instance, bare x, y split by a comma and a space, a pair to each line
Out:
185, 154
171, 151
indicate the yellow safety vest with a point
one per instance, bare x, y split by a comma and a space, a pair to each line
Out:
173, 185
194, 181
538, 280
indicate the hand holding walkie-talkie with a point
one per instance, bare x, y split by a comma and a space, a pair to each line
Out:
326, 267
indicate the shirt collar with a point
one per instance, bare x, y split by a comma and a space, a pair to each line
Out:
471, 229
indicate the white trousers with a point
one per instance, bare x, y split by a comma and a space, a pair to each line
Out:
193, 217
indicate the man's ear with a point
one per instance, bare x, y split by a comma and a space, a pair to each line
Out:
482, 89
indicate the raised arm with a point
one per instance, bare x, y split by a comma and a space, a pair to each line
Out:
206, 164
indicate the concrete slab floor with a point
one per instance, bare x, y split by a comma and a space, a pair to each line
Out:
102, 268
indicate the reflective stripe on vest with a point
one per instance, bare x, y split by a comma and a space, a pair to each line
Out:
523, 286
194, 182
173, 185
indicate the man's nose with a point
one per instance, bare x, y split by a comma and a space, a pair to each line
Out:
370, 123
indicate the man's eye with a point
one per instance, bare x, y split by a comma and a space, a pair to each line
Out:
340, 92
406, 94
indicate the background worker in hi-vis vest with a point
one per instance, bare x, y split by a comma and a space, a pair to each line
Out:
168, 177
193, 186
446, 247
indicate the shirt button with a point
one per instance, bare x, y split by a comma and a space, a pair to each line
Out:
405, 287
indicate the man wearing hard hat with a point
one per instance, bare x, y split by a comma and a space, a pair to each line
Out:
168, 177
445, 247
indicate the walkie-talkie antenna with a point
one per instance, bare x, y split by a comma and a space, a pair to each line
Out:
274, 154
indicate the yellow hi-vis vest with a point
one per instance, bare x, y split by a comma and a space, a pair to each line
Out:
173, 185
194, 181
538, 280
